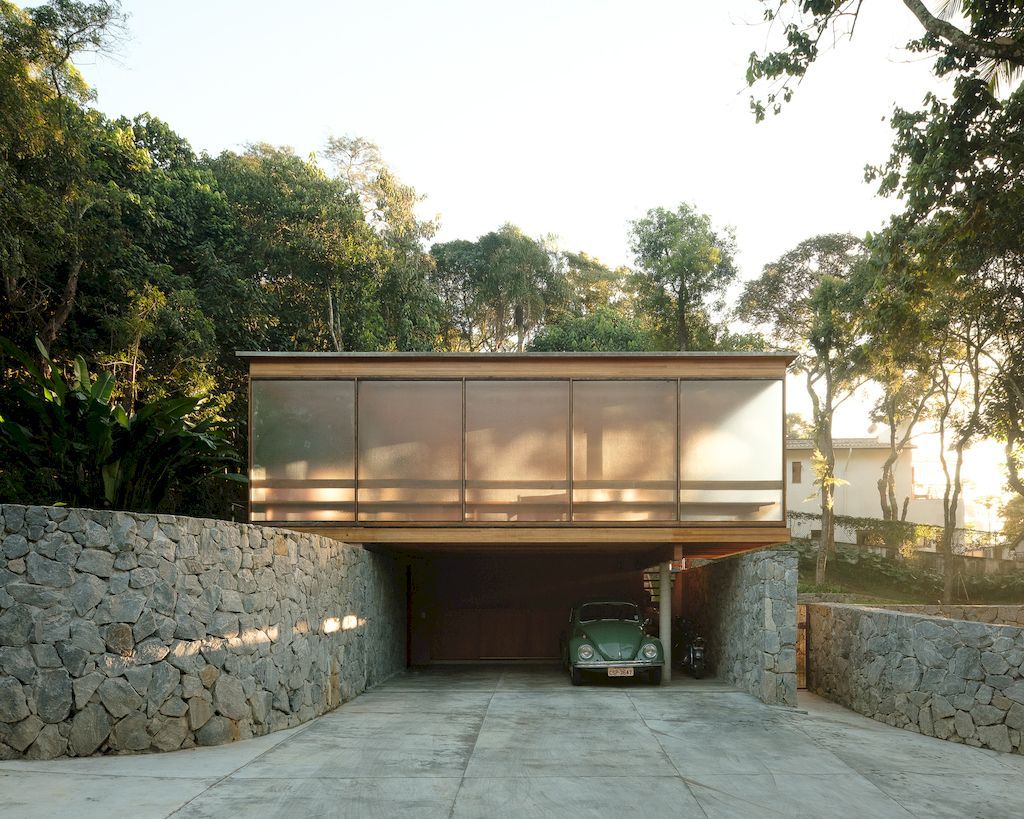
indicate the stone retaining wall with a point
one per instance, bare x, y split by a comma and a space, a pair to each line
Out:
745, 607
126, 633
953, 679
1005, 615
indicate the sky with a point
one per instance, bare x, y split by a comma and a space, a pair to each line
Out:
564, 117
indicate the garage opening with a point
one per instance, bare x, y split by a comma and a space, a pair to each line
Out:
474, 607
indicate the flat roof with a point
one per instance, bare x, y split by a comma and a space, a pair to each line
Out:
413, 356
842, 443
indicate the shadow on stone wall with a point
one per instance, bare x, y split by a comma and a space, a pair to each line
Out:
745, 607
124, 632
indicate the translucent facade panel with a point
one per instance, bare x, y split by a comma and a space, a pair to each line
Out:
730, 439
624, 450
410, 450
303, 451
517, 451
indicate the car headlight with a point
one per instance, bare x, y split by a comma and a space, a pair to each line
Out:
585, 652
650, 651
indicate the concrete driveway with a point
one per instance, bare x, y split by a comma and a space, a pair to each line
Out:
521, 742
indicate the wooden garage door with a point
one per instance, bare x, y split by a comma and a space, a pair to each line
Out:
480, 608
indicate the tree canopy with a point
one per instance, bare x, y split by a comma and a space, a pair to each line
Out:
684, 266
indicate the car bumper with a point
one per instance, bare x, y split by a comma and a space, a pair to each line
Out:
598, 664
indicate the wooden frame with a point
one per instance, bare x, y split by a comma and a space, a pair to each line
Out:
517, 365
694, 539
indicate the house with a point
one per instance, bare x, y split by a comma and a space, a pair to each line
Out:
511, 485
859, 466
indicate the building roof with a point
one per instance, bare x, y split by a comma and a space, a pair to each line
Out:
510, 356
838, 443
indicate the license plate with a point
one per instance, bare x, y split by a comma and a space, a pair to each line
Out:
620, 672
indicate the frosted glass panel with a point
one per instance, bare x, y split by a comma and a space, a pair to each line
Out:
303, 445
410, 450
624, 450
730, 450
517, 451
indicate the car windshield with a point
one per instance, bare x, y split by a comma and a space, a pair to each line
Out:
609, 611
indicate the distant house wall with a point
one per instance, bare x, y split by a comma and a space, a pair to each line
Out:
858, 496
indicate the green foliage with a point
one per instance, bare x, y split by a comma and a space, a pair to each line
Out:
1013, 520
797, 426
64, 440
504, 285
601, 330
956, 164
901, 580
684, 267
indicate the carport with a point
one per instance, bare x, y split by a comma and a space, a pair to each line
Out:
509, 486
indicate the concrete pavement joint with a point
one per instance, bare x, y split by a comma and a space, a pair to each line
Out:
301, 730
469, 756
664, 754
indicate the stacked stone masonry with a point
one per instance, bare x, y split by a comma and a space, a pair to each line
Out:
1004, 615
957, 680
745, 608
127, 633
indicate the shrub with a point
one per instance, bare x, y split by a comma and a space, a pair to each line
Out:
64, 440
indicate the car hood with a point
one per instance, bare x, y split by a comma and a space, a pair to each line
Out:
614, 639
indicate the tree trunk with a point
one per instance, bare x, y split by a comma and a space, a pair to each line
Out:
827, 544
63, 310
949, 529
330, 321
883, 493
683, 328
823, 410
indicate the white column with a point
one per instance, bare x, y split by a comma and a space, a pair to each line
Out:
665, 618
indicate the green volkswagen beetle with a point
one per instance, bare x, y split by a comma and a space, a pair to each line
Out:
607, 637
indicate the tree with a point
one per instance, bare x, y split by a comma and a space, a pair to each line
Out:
52, 167
898, 354
1012, 513
797, 426
505, 283
809, 302
955, 162
457, 265
990, 49
409, 307
684, 267
591, 285
302, 240
603, 329
519, 283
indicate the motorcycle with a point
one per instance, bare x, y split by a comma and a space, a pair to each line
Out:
688, 648
694, 657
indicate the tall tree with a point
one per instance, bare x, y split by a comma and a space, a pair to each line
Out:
409, 306
684, 266
302, 238
456, 268
898, 354
809, 303
957, 165
504, 285
53, 159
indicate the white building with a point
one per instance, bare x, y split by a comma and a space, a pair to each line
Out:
859, 464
